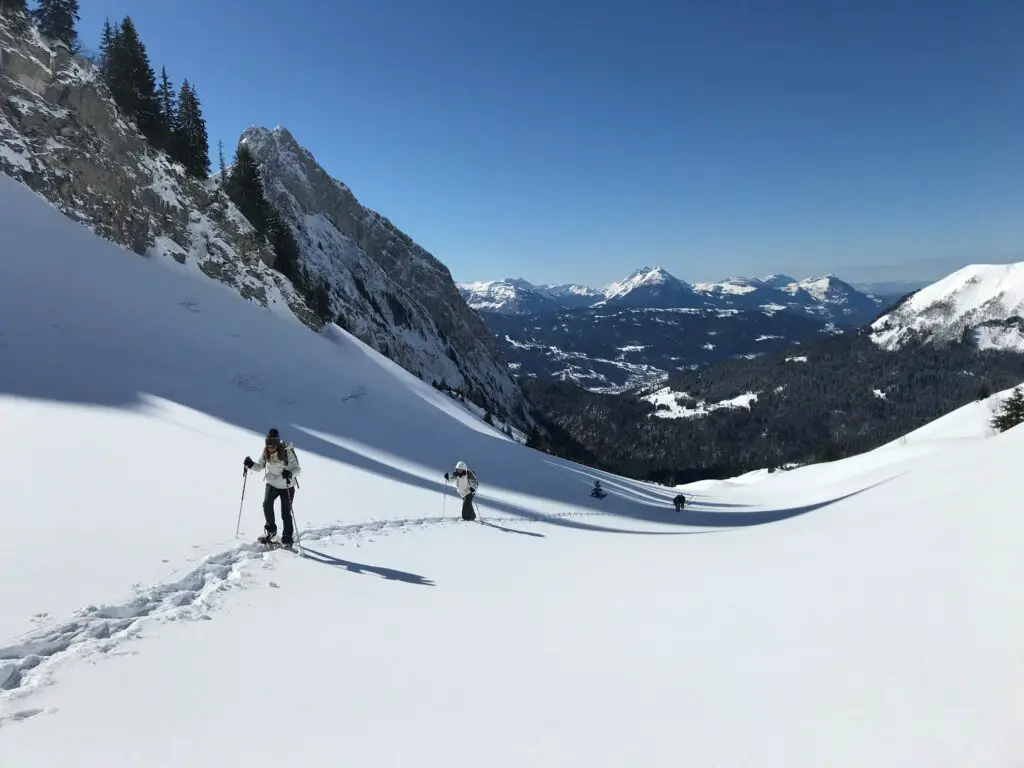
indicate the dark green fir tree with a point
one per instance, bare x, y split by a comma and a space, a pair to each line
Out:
56, 21
190, 139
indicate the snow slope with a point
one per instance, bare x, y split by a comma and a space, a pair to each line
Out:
865, 612
985, 301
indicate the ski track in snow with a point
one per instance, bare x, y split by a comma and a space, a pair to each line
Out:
27, 665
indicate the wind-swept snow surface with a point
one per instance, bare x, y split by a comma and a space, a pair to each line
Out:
866, 612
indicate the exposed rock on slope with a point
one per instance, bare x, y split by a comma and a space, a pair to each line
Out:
384, 288
62, 135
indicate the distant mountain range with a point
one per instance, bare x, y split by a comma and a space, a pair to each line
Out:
951, 342
651, 324
825, 297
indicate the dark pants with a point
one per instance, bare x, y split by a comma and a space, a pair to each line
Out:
468, 513
286, 495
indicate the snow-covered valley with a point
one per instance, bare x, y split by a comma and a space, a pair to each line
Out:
863, 612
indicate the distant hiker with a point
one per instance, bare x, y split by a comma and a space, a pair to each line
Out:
282, 465
597, 491
680, 502
466, 484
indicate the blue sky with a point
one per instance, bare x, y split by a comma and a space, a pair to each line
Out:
576, 140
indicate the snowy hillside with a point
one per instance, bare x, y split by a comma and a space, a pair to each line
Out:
860, 613
981, 302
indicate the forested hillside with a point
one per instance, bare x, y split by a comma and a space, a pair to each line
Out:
830, 399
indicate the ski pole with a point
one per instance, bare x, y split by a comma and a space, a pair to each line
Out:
245, 478
291, 510
444, 499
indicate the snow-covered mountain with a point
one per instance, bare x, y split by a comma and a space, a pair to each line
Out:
827, 298
572, 295
383, 287
62, 135
509, 296
982, 303
143, 631
649, 288
516, 296
651, 324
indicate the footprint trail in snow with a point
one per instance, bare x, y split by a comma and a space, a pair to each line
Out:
28, 664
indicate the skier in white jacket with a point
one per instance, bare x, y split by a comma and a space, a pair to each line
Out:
466, 484
282, 467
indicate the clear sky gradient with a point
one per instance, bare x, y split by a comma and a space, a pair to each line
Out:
577, 140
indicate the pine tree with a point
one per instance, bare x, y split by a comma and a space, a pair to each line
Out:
131, 80
167, 100
220, 162
106, 40
245, 188
1012, 412
56, 20
244, 185
190, 139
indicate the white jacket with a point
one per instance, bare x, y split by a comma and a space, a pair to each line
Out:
274, 466
466, 484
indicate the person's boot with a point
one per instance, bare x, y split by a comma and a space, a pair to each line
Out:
269, 536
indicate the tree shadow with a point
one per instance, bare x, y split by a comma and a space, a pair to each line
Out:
385, 573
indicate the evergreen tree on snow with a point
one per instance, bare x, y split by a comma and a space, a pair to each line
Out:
1012, 412
56, 20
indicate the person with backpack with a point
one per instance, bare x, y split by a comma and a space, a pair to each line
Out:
466, 484
282, 467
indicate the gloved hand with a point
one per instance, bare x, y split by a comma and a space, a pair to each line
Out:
446, 477
286, 474
248, 463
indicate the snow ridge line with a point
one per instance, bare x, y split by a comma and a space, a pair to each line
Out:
99, 629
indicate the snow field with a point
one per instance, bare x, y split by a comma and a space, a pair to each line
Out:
863, 612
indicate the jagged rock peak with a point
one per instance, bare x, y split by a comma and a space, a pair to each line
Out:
380, 284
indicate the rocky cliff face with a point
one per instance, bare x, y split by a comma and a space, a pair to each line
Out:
62, 135
384, 288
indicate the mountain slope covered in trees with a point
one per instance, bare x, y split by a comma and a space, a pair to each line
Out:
833, 398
